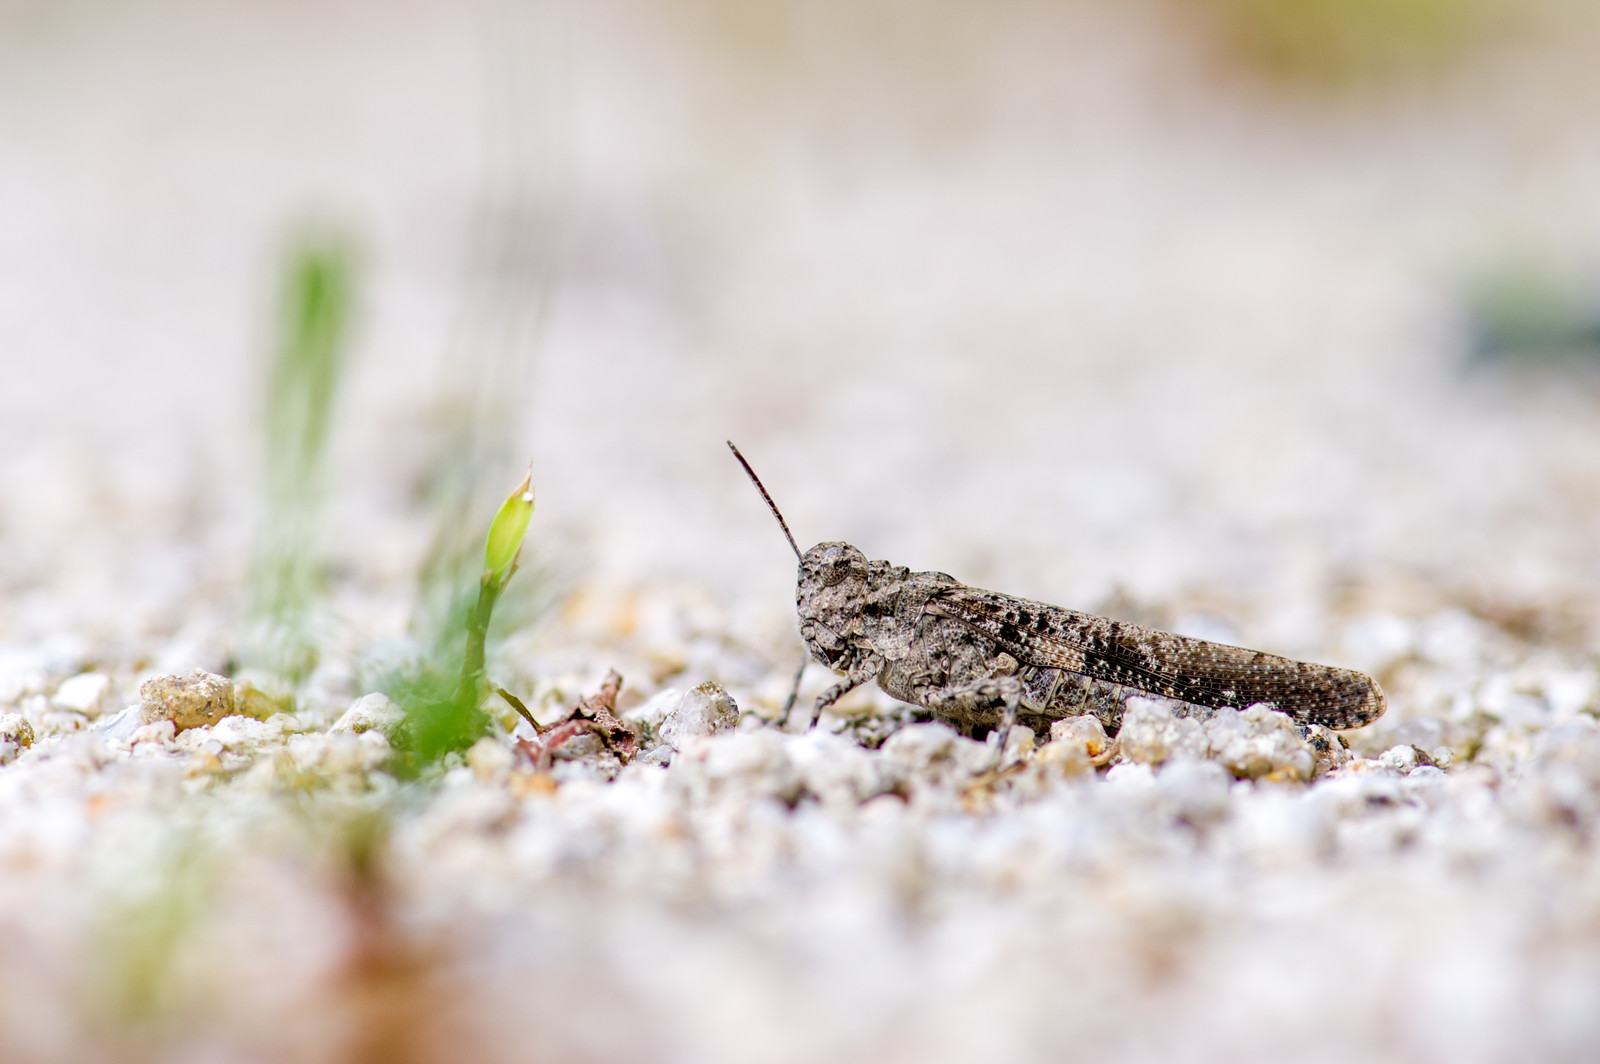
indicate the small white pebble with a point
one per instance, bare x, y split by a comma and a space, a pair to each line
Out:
14, 728
490, 758
1258, 741
242, 734
1131, 774
162, 731
371, 712
654, 710
706, 710
1399, 759
85, 693
62, 723
1084, 731
1143, 736
120, 727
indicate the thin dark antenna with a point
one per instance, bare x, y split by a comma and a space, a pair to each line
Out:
770, 504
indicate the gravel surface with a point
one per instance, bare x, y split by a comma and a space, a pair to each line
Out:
1116, 326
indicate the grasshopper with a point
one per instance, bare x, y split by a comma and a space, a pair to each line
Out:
981, 661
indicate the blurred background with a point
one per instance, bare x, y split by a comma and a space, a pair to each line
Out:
1245, 316
1269, 321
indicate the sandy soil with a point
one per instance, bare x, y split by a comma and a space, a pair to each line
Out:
1061, 302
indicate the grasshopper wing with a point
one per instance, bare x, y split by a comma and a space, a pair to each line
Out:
1173, 666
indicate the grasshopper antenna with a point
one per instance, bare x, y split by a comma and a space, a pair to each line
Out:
770, 504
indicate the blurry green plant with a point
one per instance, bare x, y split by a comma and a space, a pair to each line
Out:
305, 366
1345, 40
151, 925
1533, 312
444, 706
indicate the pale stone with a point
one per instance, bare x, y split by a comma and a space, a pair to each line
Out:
651, 713
1328, 751
706, 710
490, 758
1399, 759
85, 693
371, 712
14, 728
120, 726
931, 757
1062, 759
1196, 790
241, 734
1019, 743
1143, 736
738, 764
162, 731
1087, 732
62, 722
834, 770
1259, 742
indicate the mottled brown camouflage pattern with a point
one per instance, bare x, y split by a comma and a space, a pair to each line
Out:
978, 659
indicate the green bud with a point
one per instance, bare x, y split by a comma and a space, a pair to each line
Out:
509, 527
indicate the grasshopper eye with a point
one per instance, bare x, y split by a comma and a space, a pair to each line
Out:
835, 566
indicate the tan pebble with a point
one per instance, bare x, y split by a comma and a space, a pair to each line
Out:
1064, 758
528, 784
189, 700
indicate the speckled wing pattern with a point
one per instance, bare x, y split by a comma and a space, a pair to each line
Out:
1172, 666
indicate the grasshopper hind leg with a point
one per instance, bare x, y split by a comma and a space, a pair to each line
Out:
975, 703
1008, 720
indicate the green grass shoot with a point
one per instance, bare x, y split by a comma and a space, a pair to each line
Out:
306, 363
443, 710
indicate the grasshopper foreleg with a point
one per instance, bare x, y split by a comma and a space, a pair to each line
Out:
862, 669
794, 693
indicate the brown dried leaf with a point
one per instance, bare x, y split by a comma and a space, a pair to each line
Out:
594, 715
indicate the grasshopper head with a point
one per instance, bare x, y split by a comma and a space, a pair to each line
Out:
830, 598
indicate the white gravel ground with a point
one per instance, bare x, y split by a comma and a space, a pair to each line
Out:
1115, 327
